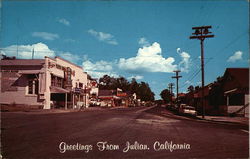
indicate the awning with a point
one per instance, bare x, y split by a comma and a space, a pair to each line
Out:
230, 91
54, 89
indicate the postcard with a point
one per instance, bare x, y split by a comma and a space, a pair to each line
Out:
124, 79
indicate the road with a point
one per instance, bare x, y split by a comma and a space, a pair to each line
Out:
33, 135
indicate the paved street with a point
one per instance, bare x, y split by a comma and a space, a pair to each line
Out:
34, 135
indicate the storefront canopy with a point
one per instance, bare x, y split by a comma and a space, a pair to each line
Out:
54, 89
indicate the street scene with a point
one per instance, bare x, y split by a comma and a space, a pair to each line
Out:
38, 135
124, 79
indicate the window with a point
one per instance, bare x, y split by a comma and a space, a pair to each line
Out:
33, 86
80, 85
59, 82
236, 99
56, 81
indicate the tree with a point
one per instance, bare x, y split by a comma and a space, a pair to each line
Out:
107, 82
121, 83
190, 88
144, 92
166, 95
133, 87
197, 88
142, 89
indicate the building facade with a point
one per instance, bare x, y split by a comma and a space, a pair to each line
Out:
46, 83
229, 95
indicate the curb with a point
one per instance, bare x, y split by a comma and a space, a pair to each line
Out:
223, 122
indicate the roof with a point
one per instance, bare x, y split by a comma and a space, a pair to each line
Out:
22, 62
241, 75
181, 94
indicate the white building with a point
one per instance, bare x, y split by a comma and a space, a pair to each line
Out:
46, 83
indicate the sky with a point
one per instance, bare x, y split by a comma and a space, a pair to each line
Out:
146, 40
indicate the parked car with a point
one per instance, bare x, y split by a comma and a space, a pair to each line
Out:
94, 102
187, 110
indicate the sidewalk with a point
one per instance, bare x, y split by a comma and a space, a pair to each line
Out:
226, 119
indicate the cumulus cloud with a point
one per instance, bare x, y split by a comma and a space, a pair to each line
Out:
185, 62
236, 56
70, 57
45, 35
143, 42
137, 77
63, 21
99, 68
25, 51
105, 37
148, 59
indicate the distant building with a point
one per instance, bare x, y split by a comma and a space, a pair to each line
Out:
45, 83
107, 98
228, 95
118, 97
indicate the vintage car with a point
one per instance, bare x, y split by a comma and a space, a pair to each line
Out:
187, 110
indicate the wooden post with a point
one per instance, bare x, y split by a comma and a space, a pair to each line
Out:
66, 96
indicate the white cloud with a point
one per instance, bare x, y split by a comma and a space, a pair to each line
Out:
178, 50
63, 21
143, 42
105, 37
99, 68
148, 59
25, 51
185, 62
45, 35
236, 56
69, 56
137, 77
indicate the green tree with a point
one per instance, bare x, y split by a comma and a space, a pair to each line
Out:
142, 90
134, 86
190, 88
166, 95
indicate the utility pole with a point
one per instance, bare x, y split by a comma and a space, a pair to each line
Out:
201, 33
177, 86
170, 86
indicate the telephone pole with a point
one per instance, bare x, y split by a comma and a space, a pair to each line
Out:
170, 86
201, 33
177, 86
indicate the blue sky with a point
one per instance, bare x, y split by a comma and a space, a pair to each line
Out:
142, 39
